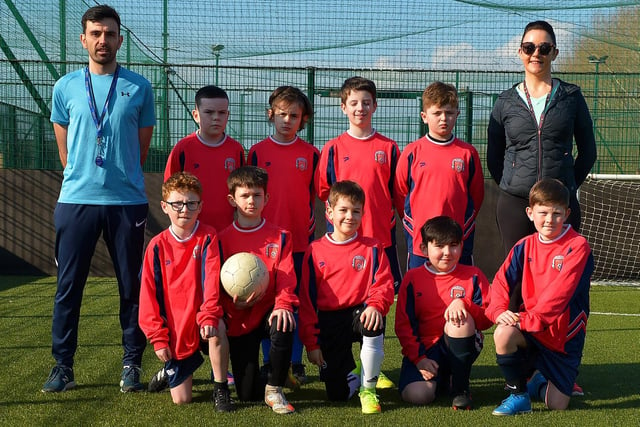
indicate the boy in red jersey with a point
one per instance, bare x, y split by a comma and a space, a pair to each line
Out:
439, 316
363, 155
345, 294
178, 263
269, 315
291, 163
550, 271
438, 174
210, 154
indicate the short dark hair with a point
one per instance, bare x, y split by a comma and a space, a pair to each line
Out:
549, 191
99, 13
442, 230
291, 95
247, 176
540, 25
357, 83
210, 91
347, 189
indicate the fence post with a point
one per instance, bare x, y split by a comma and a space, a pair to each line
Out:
311, 90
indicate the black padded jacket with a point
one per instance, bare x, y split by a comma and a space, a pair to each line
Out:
517, 156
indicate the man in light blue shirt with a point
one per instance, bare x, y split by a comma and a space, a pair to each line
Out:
103, 118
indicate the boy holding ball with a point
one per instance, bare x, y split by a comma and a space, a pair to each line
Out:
269, 315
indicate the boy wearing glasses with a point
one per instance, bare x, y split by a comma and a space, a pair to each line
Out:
178, 264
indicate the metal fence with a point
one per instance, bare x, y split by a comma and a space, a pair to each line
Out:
250, 48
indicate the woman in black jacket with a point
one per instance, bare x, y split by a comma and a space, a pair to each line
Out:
531, 133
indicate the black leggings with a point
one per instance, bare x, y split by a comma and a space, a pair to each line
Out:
513, 222
244, 351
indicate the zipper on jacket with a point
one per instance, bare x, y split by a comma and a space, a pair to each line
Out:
538, 125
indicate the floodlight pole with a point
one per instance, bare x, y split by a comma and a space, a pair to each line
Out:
246, 92
216, 49
596, 61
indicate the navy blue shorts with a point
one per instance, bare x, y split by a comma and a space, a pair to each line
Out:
561, 369
179, 370
439, 352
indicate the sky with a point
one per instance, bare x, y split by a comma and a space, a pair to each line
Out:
393, 34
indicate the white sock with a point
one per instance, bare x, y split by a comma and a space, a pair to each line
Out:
371, 356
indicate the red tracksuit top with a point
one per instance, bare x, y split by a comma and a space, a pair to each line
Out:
173, 276
292, 196
424, 296
556, 277
211, 164
339, 275
435, 178
371, 163
273, 245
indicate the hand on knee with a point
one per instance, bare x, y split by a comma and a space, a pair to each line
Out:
508, 339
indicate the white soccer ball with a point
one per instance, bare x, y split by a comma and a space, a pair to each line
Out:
243, 274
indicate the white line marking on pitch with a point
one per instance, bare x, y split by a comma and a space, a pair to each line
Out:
616, 314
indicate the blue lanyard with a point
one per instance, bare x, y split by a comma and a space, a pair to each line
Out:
92, 100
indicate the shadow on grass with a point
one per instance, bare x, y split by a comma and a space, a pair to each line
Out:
10, 281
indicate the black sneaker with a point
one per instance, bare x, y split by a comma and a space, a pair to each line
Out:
222, 398
299, 372
159, 382
130, 379
462, 401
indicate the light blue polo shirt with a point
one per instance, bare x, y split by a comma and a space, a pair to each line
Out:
120, 180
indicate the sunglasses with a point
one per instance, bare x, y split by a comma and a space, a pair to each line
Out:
544, 48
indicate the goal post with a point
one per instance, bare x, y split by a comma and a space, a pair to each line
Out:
610, 206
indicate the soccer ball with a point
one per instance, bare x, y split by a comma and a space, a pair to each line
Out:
243, 274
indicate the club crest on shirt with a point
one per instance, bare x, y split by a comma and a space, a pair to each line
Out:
557, 261
457, 291
358, 263
196, 252
271, 251
457, 165
301, 164
380, 157
229, 164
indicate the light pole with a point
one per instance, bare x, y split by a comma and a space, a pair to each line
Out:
246, 92
216, 49
596, 61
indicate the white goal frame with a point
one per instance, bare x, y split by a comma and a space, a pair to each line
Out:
610, 205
